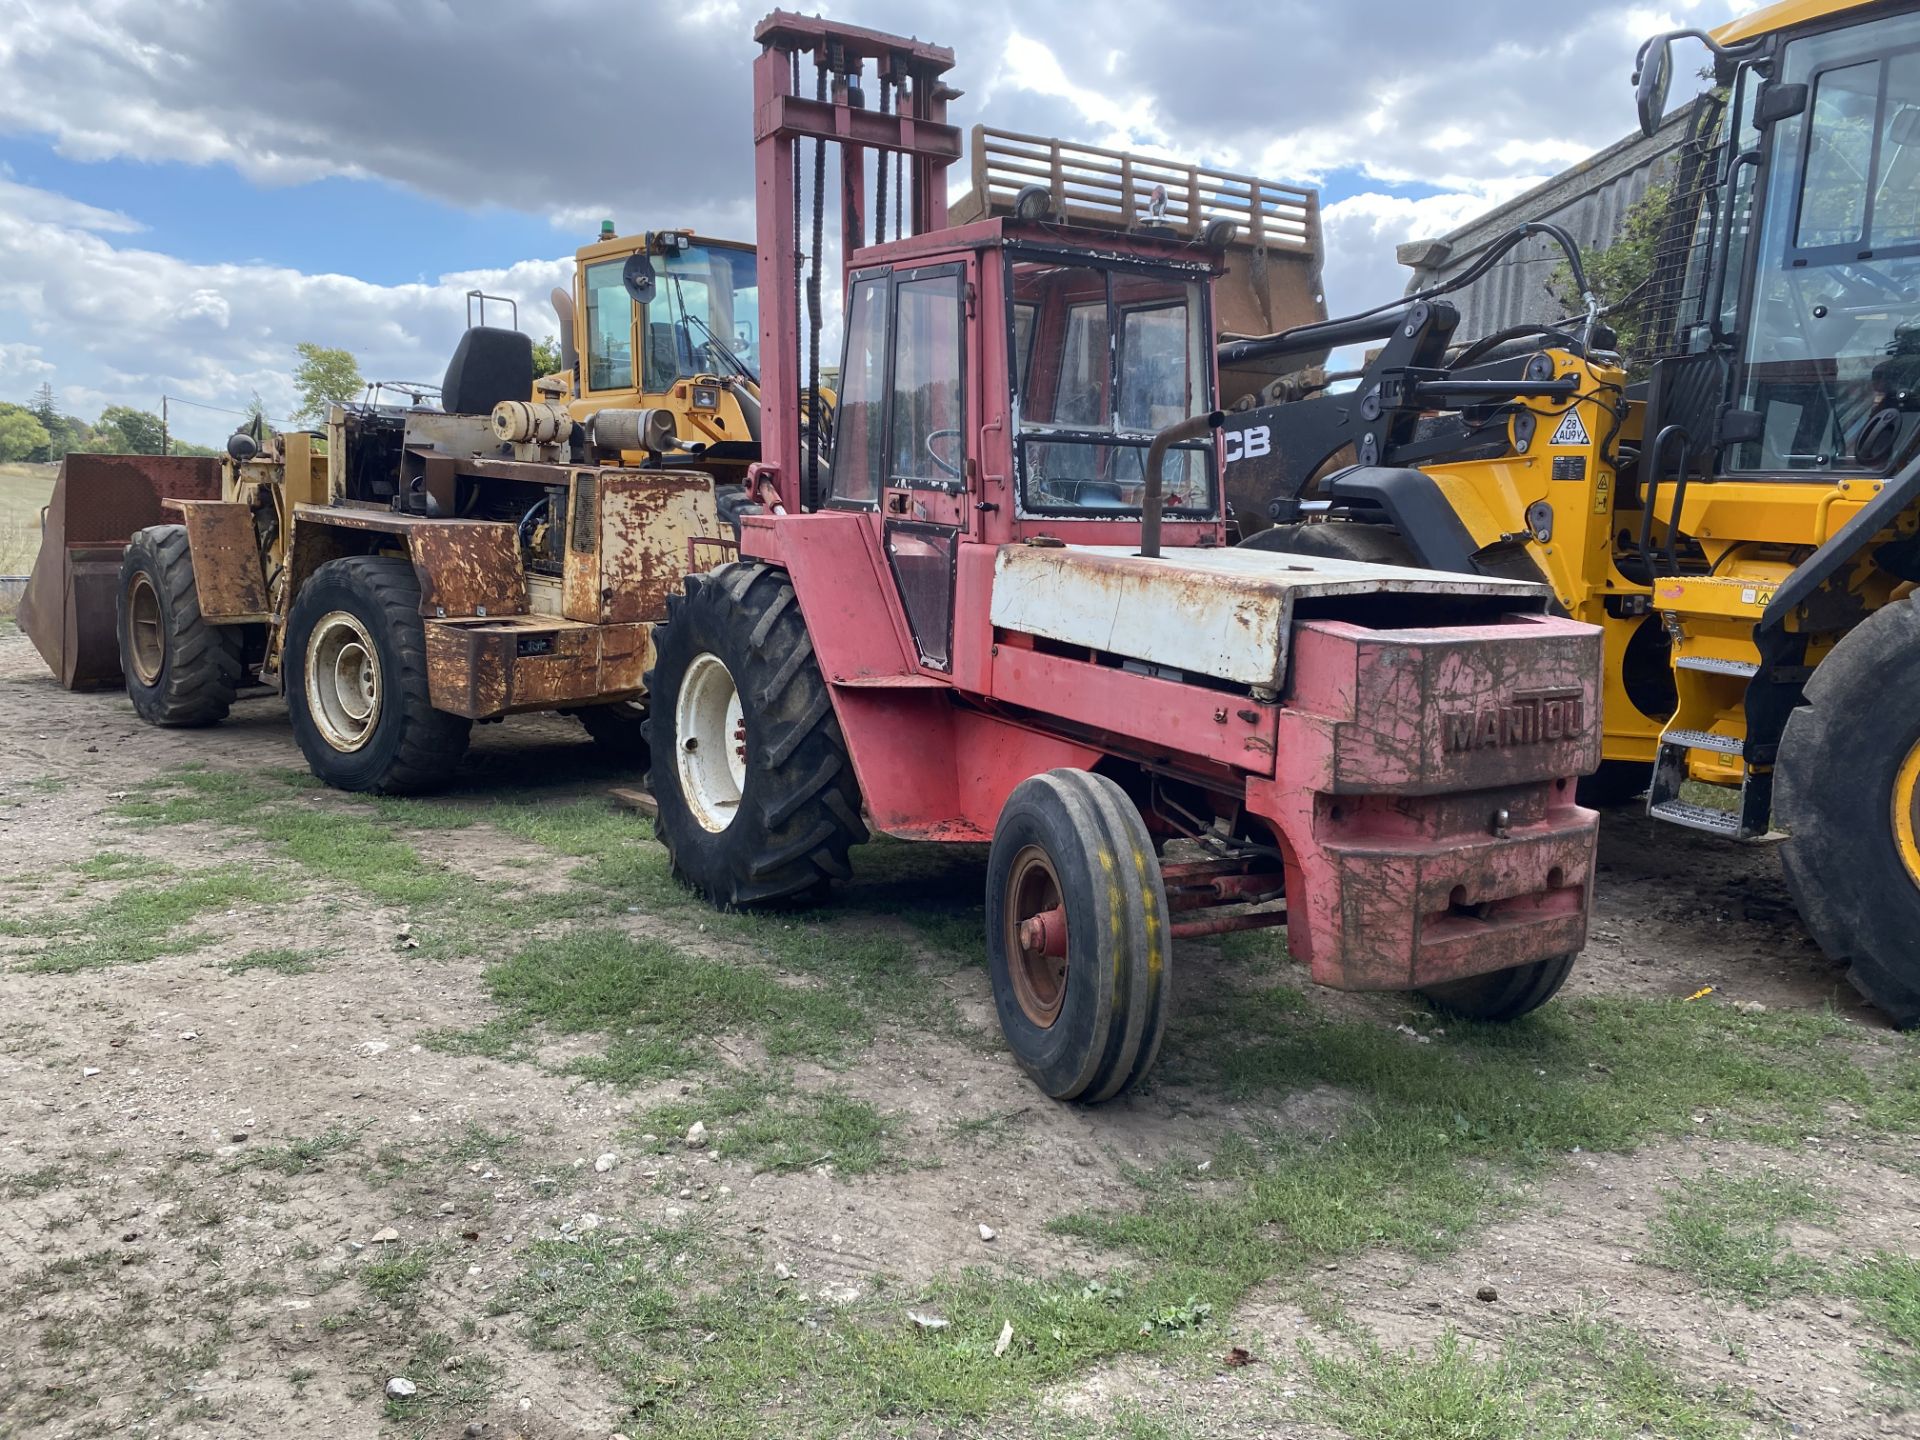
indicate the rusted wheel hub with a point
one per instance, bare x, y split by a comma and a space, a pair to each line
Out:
146, 629
344, 689
1036, 930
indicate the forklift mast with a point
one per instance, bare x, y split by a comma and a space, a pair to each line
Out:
912, 126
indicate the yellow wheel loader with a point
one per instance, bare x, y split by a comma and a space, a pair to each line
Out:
406, 574
1744, 522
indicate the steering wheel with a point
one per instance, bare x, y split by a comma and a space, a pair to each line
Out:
934, 455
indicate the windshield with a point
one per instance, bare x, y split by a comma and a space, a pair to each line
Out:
1103, 359
705, 317
1833, 336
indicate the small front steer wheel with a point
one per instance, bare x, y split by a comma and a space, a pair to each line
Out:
757, 798
1504, 994
180, 670
1847, 791
1079, 945
355, 669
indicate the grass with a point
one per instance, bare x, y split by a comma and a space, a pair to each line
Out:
23, 490
393, 1278
1887, 1288
112, 865
1433, 1137
1553, 1381
451, 1382
297, 1157
659, 1008
279, 960
34, 1182
1722, 1231
760, 1119
143, 923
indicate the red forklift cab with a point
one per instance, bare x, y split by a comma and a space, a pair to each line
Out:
1002, 383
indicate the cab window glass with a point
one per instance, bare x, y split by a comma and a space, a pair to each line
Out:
1833, 205
863, 378
609, 328
928, 434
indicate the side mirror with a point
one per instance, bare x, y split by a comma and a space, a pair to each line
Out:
637, 276
1652, 81
1905, 129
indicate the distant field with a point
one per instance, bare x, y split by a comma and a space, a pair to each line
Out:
23, 490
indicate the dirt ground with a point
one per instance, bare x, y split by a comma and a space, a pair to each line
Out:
245, 1182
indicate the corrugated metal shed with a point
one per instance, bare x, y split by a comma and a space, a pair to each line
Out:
1590, 202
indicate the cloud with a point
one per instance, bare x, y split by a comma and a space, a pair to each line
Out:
129, 325
573, 109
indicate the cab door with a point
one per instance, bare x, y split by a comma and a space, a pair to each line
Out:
901, 443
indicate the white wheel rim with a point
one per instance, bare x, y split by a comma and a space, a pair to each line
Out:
710, 743
344, 690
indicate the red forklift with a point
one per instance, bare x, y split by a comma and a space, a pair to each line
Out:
1006, 611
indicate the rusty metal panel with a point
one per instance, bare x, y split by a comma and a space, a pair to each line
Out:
226, 560
580, 567
632, 536
468, 567
98, 502
646, 521
482, 668
467, 672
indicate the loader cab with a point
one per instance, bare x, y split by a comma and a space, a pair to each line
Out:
688, 340
1013, 389
1799, 292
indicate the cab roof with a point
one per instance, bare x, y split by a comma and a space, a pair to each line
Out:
1783, 15
1000, 231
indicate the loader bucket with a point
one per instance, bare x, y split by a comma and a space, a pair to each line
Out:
98, 502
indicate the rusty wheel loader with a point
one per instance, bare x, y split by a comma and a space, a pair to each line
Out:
399, 578
1013, 618
1735, 500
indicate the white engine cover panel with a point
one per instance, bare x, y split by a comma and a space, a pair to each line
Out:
1223, 612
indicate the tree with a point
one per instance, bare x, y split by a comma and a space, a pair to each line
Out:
546, 357
1622, 274
21, 433
326, 377
130, 432
64, 433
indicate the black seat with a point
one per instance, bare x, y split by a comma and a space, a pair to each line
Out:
489, 365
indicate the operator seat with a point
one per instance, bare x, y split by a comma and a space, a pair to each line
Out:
489, 365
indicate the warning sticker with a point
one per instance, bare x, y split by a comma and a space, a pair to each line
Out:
1571, 431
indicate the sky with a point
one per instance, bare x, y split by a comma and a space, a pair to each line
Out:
190, 188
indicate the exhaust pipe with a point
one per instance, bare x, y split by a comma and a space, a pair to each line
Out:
563, 309
1151, 503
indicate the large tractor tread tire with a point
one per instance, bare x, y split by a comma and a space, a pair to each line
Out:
1848, 770
786, 831
409, 746
734, 505
1085, 1026
193, 669
619, 729
1502, 995
1336, 540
